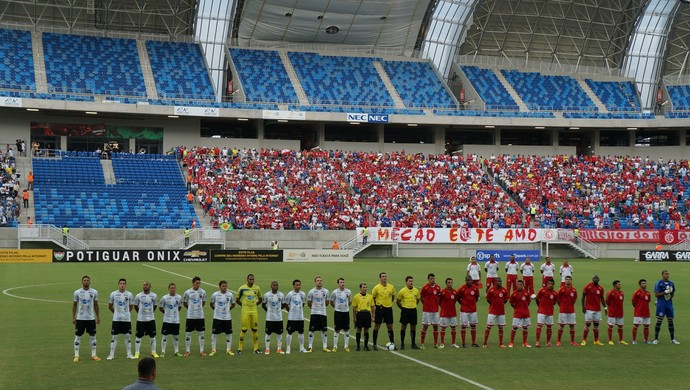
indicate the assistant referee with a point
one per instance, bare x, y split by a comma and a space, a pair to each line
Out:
383, 294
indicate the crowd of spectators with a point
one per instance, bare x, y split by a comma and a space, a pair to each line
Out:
286, 189
596, 191
9, 190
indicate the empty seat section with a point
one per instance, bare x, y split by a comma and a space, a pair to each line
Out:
340, 80
542, 92
417, 84
680, 96
263, 76
179, 70
489, 88
17, 61
616, 95
93, 65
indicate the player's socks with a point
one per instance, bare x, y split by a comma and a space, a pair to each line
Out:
539, 326
113, 345
463, 335
549, 333
634, 333
213, 341
300, 338
324, 340
435, 337
288, 341
176, 343
376, 336
610, 332
585, 333
473, 332
346, 342
560, 333
572, 334
358, 338
311, 339
188, 341
255, 339
524, 336
413, 336
267, 342
94, 343
620, 332
595, 330
335, 339
201, 342
512, 336
402, 338
391, 336
500, 336
453, 336
279, 340
77, 342
486, 334
366, 339
164, 343
424, 328
137, 345
657, 328
128, 343
671, 328
242, 333
443, 336
646, 332
153, 345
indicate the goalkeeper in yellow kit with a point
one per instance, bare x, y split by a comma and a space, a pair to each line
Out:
249, 297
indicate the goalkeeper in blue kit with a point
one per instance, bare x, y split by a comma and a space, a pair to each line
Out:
664, 290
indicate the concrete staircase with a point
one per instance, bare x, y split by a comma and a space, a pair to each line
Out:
149, 81
301, 95
511, 91
389, 85
39, 62
108, 172
600, 106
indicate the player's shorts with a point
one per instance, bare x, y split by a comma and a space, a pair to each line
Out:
341, 320
642, 320
121, 327
544, 319
430, 318
493, 319
384, 314
592, 316
249, 321
295, 326
318, 322
477, 283
221, 326
521, 322
195, 324
566, 318
168, 328
467, 319
408, 316
448, 321
663, 310
615, 321
490, 282
88, 326
274, 327
545, 279
363, 319
146, 328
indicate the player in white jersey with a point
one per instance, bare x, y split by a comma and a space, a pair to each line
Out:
491, 267
145, 304
565, 270
170, 306
527, 269
120, 304
273, 304
474, 270
85, 316
318, 299
548, 269
512, 268
294, 304
222, 302
194, 300
340, 299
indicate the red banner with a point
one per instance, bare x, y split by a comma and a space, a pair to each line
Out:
666, 237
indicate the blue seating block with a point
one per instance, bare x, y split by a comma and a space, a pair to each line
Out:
16, 60
417, 84
616, 95
680, 96
179, 70
542, 92
489, 88
263, 76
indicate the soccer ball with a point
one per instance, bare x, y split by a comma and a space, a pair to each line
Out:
390, 346
533, 296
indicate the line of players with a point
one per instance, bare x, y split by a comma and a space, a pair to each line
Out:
366, 308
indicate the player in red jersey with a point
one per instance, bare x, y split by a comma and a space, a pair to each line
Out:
468, 295
614, 300
592, 300
546, 299
512, 268
497, 296
567, 296
449, 315
429, 295
520, 300
640, 301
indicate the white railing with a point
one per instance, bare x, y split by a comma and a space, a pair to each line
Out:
586, 246
43, 232
681, 246
536, 65
205, 235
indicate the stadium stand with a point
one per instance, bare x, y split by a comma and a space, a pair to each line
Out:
263, 76
542, 92
149, 192
340, 80
359, 110
489, 88
17, 65
680, 96
92, 65
9, 190
608, 115
616, 95
495, 114
417, 84
179, 70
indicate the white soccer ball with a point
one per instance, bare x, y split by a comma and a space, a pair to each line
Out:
390, 346
533, 296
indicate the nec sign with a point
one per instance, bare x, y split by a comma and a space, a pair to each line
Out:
370, 118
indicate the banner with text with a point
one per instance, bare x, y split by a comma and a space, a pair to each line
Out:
620, 235
230, 255
196, 111
25, 255
664, 256
367, 118
129, 256
317, 255
453, 235
284, 115
504, 255
7, 101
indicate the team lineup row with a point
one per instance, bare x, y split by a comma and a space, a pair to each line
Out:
438, 311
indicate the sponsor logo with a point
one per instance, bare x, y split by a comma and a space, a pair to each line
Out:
59, 255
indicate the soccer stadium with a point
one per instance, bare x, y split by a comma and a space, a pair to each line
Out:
327, 139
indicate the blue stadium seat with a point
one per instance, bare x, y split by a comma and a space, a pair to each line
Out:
263, 76
616, 95
16, 61
489, 88
179, 70
417, 84
542, 92
680, 96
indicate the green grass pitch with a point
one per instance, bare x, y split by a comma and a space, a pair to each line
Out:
36, 345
